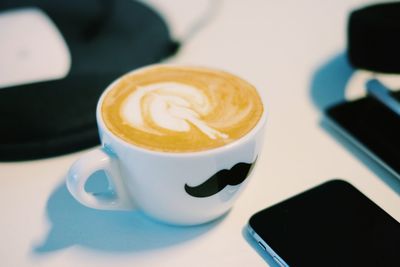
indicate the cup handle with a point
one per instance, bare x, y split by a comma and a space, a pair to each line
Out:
115, 198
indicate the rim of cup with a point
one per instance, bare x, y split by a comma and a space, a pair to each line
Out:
259, 125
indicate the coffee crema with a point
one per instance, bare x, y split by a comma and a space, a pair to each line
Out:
180, 109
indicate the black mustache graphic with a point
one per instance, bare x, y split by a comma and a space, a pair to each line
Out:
236, 175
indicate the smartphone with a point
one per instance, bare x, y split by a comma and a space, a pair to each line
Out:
332, 224
371, 127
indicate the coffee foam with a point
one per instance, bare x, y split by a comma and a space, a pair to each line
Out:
171, 106
181, 109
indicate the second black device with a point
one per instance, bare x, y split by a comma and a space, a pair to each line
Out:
332, 224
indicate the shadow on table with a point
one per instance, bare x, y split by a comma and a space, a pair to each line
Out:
75, 224
328, 87
329, 81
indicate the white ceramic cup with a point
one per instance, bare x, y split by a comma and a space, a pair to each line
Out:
177, 188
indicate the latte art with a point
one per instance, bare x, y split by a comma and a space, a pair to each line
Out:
171, 106
181, 109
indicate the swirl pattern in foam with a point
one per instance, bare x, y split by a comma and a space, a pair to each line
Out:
181, 109
170, 105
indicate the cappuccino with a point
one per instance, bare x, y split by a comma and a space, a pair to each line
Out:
180, 109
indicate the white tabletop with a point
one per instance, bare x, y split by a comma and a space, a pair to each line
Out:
293, 52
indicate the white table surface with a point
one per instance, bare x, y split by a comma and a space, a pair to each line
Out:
287, 50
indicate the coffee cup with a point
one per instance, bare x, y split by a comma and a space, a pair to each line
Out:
178, 143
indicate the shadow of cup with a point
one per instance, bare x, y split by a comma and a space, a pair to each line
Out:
114, 231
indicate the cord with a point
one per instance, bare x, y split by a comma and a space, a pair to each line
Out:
212, 10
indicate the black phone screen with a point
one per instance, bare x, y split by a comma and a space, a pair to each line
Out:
371, 126
332, 224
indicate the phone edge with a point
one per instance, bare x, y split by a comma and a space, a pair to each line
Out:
358, 144
266, 247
